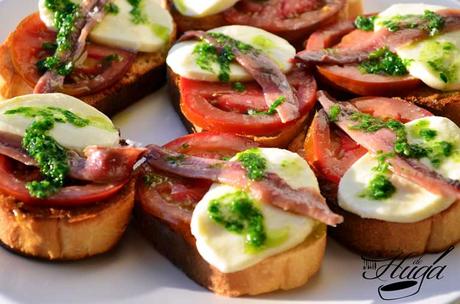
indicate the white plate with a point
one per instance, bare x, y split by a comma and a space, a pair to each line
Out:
136, 273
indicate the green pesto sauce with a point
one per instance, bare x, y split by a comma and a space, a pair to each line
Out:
111, 8
431, 22
380, 186
271, 110
137, 14
49, 154
65, 15
442, 58
365, 23
237, 213
207, 55
435, 151
334, 113
254, 163
262, 42
238, 86
384, 62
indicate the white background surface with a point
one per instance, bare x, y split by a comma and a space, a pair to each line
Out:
136, 273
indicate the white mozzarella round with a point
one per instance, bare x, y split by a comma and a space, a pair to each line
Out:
182, 60
424, 53
202, 8
226, 250
118, 30
402, 9
410, 203
100, 130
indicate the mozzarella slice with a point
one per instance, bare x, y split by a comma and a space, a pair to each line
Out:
435, 61
410, 203
100, 131
118, 30
202, 8
402, 9
182, 59
226, 250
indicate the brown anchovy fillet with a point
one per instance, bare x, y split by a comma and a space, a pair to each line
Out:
271, 189
91, 12
382, 38
266, 72
383, 140
99, 164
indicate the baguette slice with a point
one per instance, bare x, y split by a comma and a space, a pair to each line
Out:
377, 238
146, 74
280, 140
65, 234
284, 271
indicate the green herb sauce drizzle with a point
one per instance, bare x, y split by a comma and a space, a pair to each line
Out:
435, 151
383, 61
431, 22
65, 15
380, 186
254, 163
49, 154
365, 23
238, 214
334, 113
271, 110
111, 8
207, 54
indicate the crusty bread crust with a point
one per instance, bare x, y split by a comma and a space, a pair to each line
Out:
280, 140
65, 234
378, 238
284, 271
146, 74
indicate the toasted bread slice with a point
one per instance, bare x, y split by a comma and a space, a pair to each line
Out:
377, 238
65, 234
284, 271
280, 140
146, 74
296, 36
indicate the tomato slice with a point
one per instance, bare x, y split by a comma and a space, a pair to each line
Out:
348, 77
173, 198
216, 106
351, 79
331, 152
95, 73
15, 185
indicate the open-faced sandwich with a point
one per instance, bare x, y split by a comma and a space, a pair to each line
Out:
236, 218
110, 53
66, 190
240, 79
408, 50
290, 19
392, 169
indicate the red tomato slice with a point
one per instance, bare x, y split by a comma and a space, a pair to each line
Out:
348, 77
173, 198
216, 106
26, 49
72, 196
331, 152
351, 79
